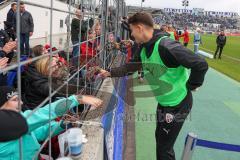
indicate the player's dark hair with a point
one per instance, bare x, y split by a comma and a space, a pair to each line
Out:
141, 18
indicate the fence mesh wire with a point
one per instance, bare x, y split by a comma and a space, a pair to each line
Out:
99, 16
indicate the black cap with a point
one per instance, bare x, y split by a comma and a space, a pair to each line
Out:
12, 125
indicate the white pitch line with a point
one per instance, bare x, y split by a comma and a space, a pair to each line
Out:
230, 57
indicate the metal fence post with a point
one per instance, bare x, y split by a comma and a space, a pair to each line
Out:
19, 72
104, 27
190, 144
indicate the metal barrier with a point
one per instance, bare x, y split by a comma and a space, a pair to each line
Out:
192, 142
1, 3
106, 12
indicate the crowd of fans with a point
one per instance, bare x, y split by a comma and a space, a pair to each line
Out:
204, 21
160, 19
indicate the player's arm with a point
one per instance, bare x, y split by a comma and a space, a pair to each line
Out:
126, 69
225, 40
174, 55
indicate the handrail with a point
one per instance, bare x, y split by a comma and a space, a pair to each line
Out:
3, 2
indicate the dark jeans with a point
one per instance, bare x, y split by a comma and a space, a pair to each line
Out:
169, 123
24, 43
220, 53
75, 53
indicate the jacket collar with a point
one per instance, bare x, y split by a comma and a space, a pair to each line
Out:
150, 44
156, 35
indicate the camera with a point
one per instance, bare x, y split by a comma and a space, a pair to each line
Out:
4, 37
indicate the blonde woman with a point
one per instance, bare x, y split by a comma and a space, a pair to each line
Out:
37, 81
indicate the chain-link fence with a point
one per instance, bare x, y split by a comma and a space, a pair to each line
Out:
66, 70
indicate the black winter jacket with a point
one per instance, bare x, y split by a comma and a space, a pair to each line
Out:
221, 40
37, 88
173, 55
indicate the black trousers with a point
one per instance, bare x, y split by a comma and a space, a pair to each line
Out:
24, 43
220, 53
169, 124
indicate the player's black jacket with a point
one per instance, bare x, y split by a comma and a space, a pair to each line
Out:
173, 54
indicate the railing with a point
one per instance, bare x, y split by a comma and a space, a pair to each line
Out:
192, 142
1, 3
104, 56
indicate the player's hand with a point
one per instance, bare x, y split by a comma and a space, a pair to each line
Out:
103, 73
90, 100
30, 34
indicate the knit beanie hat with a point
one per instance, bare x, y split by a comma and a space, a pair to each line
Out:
6, 93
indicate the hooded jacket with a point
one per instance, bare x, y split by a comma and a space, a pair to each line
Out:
37, 88
221, 40
173, 55
38, 129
